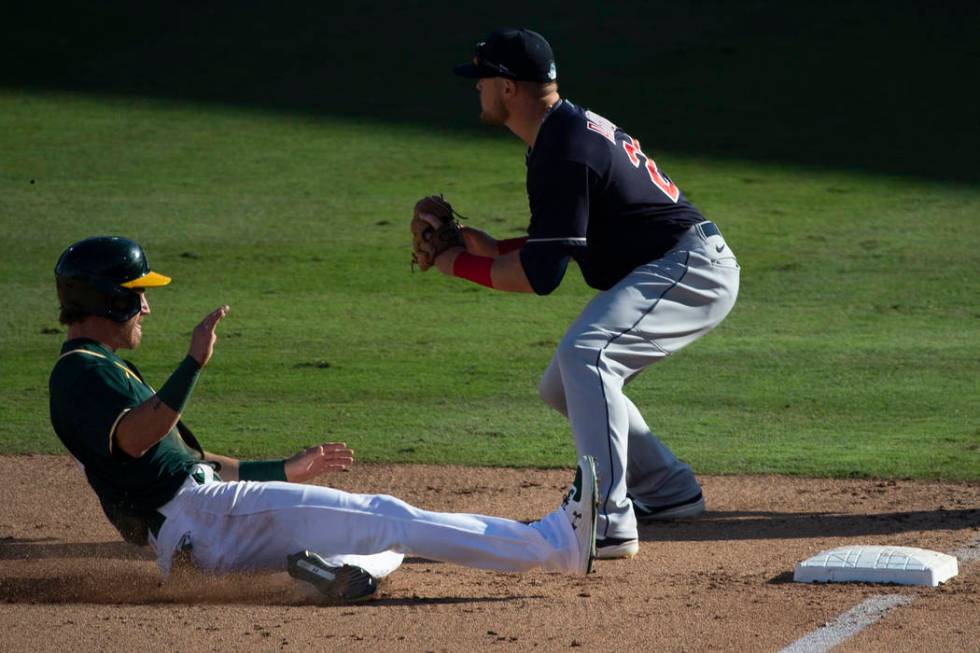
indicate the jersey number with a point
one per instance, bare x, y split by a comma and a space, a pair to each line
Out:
659, 180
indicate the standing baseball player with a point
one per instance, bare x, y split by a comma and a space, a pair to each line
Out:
158, 486
666, 276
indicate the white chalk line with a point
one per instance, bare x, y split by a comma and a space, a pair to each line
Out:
864, 614
849, 624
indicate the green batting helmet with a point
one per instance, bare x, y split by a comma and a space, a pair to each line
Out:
97, 276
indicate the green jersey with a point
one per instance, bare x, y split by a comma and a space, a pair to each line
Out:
91, 389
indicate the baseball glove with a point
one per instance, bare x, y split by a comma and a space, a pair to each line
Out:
428, 242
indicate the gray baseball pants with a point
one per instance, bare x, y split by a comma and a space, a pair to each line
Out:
656, 310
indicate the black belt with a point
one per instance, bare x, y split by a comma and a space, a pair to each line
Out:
709, 229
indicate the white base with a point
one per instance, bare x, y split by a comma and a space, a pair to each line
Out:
903, 565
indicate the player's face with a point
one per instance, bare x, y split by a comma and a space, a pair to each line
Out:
493, 111
132, 330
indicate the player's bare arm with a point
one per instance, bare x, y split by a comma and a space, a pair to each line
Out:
505, 269
301, 467
227, 465
479, 242
506, 272
148, 423
438, 240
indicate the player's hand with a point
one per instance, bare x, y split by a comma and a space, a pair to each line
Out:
204, 337
479, 242
326, 457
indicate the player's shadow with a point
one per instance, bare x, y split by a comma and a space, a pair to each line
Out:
12, 548
449, 600
114, 579
764, 525
142, 587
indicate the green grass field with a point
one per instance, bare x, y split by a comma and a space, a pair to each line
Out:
853, 349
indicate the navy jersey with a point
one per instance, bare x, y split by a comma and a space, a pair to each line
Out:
596, 197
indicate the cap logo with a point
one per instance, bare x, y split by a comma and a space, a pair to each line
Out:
552, 72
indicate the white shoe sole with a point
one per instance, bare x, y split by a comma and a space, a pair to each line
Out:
590, 496
622, 550
582, 513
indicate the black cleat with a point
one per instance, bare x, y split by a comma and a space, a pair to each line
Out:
686, 509
346, 584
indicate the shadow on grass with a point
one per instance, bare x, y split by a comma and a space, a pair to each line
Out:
875, 86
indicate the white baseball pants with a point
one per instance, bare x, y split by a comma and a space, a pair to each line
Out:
656, 310
248, 525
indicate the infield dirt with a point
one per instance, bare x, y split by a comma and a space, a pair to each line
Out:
722, 582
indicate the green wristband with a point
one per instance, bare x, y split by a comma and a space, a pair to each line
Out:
177, 390
262, 470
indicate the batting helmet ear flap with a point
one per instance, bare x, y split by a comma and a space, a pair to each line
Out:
124, 306
99, 297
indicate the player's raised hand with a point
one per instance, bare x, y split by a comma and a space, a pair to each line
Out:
204, 337
311, 462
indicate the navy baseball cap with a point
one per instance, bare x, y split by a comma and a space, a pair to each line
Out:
517, 54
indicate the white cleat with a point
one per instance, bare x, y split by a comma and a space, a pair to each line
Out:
580, 506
